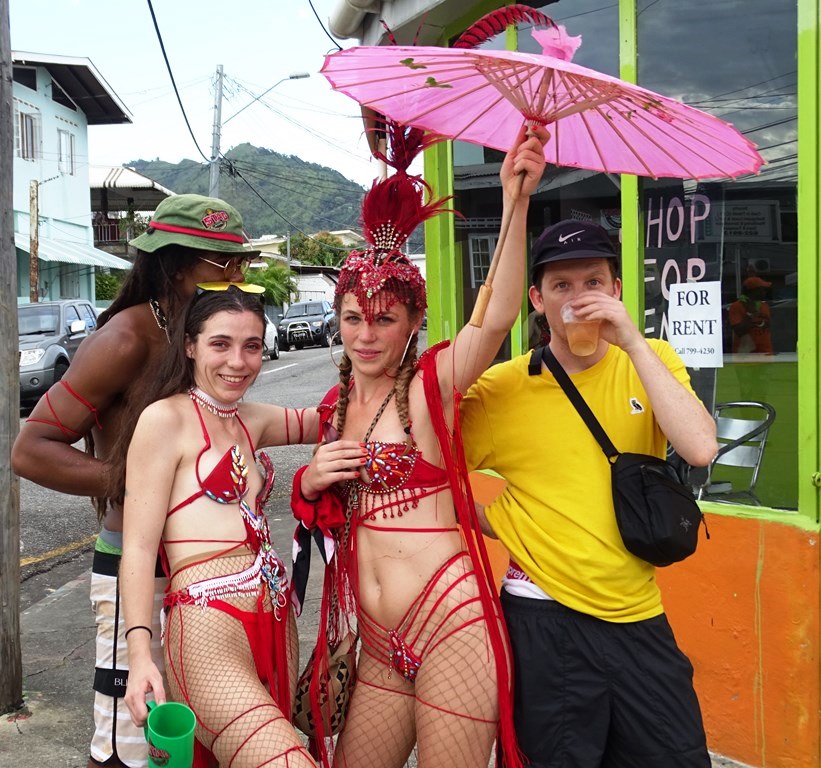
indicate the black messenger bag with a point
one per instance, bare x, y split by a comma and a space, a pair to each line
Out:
658, 517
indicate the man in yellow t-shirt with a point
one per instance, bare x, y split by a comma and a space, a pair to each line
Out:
599, 678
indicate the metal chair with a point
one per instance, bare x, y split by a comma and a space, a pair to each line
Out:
742, 441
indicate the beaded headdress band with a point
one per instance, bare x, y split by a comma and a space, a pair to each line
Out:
381, 275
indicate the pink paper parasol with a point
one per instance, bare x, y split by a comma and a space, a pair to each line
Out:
595, 121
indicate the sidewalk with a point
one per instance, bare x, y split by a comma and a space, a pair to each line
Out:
58, 660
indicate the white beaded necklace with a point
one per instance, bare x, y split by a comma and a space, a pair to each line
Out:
204, 400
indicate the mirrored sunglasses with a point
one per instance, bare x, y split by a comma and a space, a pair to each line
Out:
224, 286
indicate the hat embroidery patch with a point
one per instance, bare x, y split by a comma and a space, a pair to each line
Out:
215, 219
636, 406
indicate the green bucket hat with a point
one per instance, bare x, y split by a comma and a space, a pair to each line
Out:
195, 221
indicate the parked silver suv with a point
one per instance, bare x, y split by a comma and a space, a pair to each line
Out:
50, 332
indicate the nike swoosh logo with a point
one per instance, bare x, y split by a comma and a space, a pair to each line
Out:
564, 238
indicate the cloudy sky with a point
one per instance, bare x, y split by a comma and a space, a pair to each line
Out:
258, 42
689, 50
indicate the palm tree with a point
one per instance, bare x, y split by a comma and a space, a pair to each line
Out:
279, 282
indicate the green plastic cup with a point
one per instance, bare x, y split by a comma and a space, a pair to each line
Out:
169, 731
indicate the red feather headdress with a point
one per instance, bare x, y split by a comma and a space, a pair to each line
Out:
381, 275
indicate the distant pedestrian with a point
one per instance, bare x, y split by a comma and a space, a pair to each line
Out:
190, 239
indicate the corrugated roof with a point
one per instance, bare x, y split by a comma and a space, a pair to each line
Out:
70, 252
118, 188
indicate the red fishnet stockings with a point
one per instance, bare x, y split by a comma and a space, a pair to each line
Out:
451, 711
211, 667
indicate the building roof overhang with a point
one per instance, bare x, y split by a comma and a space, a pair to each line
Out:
83, 84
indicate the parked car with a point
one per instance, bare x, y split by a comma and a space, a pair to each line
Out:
271, 340
308, 322
49, 334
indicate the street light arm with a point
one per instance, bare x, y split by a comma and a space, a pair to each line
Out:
294, 76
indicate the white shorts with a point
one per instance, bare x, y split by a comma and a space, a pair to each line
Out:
114, 733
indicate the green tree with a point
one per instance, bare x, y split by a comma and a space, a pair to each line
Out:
279, 282
106, 285
133, 224
322, 250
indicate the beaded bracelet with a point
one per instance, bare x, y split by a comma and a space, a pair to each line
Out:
140, 626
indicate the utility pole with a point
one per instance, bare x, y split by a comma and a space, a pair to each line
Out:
11, 664
214, 185
34, 236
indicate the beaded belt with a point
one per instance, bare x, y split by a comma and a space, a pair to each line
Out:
265, 568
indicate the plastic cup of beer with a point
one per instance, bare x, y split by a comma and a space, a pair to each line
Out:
582, 335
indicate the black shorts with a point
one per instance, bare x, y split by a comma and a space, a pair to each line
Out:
592, 693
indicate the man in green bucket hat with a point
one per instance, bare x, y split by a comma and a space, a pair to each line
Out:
191, 239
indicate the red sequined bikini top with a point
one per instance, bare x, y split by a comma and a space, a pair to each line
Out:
227, 482
398, 476
391, 466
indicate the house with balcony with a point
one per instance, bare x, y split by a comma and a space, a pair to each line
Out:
118, 196
55, 99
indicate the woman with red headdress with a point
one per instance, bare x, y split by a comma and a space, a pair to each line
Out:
386, 495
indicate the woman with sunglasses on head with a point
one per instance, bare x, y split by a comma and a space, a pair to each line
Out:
387, 492
193, 490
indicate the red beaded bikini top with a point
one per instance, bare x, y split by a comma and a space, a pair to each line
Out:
396, 471
227, 482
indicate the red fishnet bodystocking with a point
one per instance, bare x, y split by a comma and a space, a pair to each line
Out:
211, 667
451, 711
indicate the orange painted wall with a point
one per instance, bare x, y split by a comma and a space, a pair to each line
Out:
745, 610
485, 488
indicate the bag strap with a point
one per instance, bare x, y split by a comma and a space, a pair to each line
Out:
573, 394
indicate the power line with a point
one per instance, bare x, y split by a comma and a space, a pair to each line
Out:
350, 224
322, 137
303, 105
286, 219
319, 184
173, 82
319, 21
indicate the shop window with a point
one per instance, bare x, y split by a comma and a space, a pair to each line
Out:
740, 235
65, 158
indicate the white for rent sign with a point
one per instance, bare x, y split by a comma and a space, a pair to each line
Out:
694, 323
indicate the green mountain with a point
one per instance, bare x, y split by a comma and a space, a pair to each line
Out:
273, 192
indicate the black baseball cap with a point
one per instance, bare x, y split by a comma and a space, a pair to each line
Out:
568, 240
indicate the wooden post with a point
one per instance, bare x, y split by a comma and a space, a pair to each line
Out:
34, 237
11, 666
